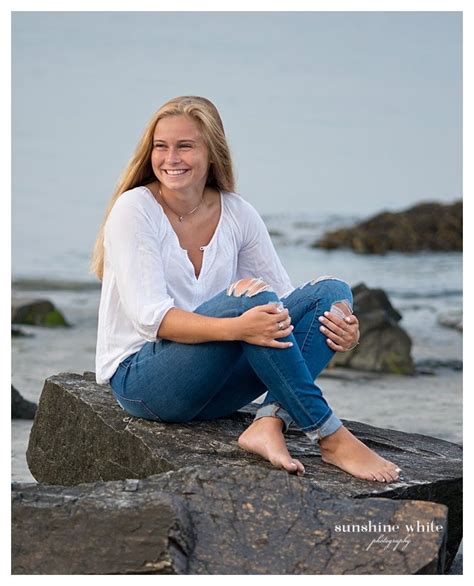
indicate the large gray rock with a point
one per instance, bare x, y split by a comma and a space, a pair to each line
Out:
220, 520
80, 435
384, 346
98, 529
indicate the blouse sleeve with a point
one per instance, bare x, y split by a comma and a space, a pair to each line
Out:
258, 257
132, 248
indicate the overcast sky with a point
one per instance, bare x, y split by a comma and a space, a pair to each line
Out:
352, 112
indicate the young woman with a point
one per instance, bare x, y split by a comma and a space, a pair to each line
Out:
198, 317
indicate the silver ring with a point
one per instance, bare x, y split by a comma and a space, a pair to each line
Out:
280, 325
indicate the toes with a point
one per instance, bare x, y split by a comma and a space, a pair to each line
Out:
294, 467
378, 476
392, 472
396, 473
291, 466
392, 476
300, 468
387, 476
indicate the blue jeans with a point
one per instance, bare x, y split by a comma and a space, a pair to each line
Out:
174, 382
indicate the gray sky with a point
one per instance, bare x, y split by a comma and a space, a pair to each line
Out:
351, 112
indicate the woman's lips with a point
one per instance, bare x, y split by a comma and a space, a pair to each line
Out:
175, 172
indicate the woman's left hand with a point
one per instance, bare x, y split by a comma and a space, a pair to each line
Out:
341, 334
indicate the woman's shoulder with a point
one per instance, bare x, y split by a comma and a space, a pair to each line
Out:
135, 205
235, 202
138, 201
138, 197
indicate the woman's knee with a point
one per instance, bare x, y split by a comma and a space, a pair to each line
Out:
248, 287
334, 292
253, 289
339, 295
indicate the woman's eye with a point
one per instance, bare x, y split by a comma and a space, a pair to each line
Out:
159, 146
185, 146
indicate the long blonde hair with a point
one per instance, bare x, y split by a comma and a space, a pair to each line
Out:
139, 170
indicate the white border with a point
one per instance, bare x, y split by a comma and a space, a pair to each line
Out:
229, 5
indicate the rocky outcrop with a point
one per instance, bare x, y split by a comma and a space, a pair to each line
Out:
427, 226
384, 346
37, 312
81, 435
106, 528
221, 520
21, 408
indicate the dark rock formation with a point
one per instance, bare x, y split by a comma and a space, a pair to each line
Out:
21, 408
384, 346
37, 312
427, 226
80, 435
107, 528
220, 520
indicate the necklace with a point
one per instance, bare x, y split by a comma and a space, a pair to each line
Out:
180, 218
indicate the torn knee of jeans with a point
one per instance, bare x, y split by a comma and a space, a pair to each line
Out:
342, 308
248, 287
319, 279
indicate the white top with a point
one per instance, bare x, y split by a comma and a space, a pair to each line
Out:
146, 272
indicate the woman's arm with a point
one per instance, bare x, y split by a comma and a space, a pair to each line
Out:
258, 325
191, 328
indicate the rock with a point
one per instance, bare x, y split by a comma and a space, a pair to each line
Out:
426, 226
384, 346
21, 408
80, 434
37, 312
220, 520
451, 319
107, 528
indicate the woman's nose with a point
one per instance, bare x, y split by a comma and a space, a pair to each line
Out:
172, 155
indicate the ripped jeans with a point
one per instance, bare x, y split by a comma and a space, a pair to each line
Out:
174, 382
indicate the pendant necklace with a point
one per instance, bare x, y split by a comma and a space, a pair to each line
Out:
180, 218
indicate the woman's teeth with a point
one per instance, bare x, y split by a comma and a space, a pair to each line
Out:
175, 172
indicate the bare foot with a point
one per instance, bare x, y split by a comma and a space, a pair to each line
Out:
344, 450
265, 438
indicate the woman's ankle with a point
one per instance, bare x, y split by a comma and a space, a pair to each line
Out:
270, 421
332, 441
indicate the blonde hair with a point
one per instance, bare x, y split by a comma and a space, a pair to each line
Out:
139, 170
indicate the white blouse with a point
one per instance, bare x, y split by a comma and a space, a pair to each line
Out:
146, 272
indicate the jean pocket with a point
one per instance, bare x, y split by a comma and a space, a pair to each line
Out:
136, 407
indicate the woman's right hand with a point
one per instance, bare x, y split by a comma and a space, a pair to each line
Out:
259, 326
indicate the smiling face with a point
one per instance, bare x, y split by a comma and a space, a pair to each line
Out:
180, 157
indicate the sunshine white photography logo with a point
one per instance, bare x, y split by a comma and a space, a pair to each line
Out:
390, 536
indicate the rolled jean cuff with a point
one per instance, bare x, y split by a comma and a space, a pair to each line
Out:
275, 410
332, 424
